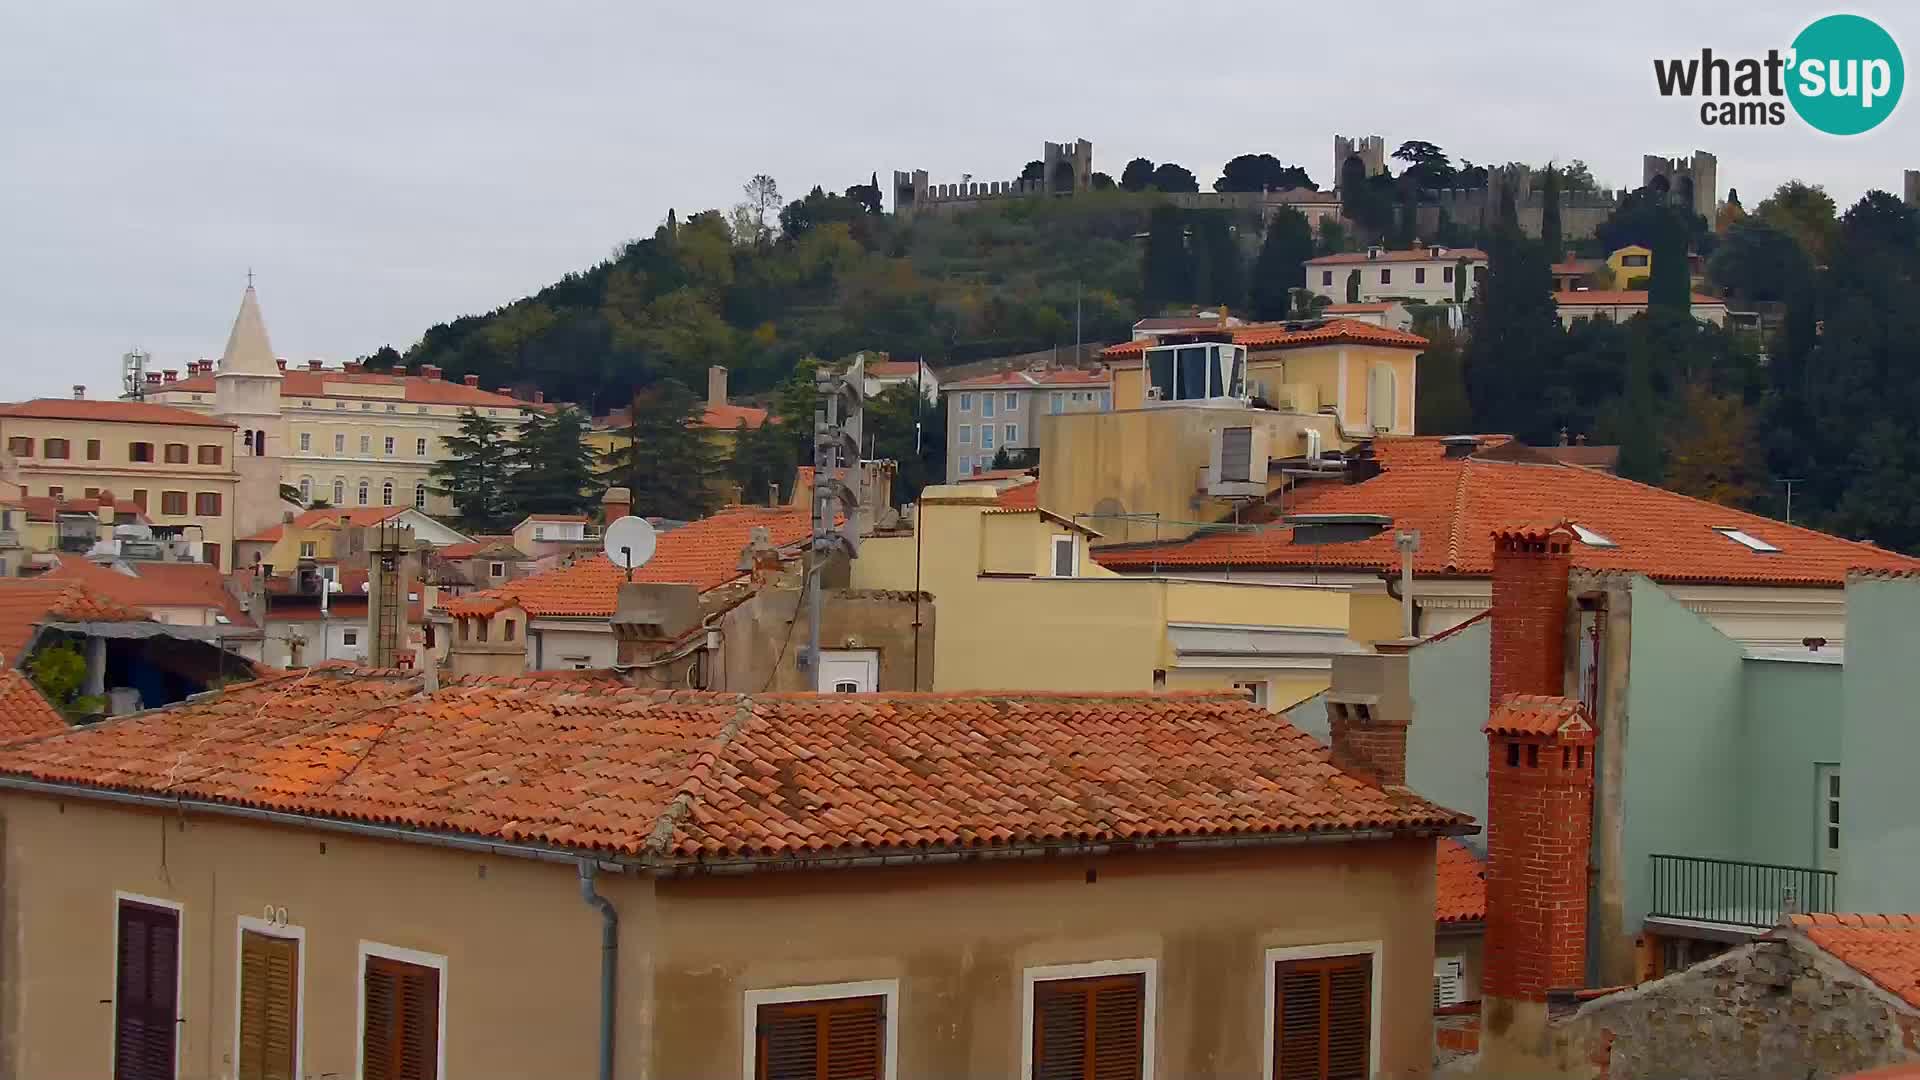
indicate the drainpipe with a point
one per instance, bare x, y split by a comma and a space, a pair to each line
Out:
609, 962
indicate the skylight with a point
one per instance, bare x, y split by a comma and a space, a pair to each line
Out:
1591, 538
1744, 539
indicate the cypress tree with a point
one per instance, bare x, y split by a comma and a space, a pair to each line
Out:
1166, 269
1550, 231
1670, 287
1280, 267
667, 462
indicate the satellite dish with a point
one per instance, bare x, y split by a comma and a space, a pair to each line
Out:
629, 543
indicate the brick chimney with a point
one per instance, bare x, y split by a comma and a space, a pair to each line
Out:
170, 375
539, 397
472, 380
79, 392
1531, 567
351, 367
316, 365
716, 386
615, 504
429, 371
1369, 709
153, 378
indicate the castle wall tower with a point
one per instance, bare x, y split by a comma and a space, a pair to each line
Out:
247, 394
1913, 187
1370, 149
1696, 178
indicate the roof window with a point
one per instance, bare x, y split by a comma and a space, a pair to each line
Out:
1744, 539
1591, 538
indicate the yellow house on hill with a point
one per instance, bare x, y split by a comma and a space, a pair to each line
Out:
1022, 606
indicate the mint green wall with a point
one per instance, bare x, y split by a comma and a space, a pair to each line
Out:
1446, 748
1683, 785
1880, 748
1793, 722
1310, 716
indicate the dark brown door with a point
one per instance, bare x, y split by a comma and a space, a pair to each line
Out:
402, 1036
146, 994
1323, 1018
269, 1006
836, 1039
1089, 1029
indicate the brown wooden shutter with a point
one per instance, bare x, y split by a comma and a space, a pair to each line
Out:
146, 994
1322, 1015
269, 1004
402, 1036
840, 1039
1089, 1029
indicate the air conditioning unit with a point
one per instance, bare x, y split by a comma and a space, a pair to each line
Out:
1237, 462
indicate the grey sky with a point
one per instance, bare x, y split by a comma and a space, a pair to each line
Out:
383, 167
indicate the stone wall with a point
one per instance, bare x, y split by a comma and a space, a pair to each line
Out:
1777, 1009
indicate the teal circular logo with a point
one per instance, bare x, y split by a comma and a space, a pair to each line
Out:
1846, 75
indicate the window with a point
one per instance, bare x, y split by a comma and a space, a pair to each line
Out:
497, 569
1446, 274
1066, 557
1011, 435
173, 503
267, 1031
146, 996
207, 454
1419, 275
402, 1013
389, 446
1633, 260
91, 493
176, 453
986, 436
539, 532
1106, 401
366, 406
1591, 538
140, 498
1259, 692
986, 404
366, 444
1381, 398
393, 408
1326, 277
210, 554
207, 504
507, 631
1386, 276
339, 404
818, 1032
1089, 1022
349, 638
966, 434
1745, 539
306, 441
339, 492
1056, 401
1013, 400
1320, 1012
1449, 981
93, 449
419, 448
966, 402
23, 447
480, 629
363, 493
428, 630
307, 549
963, 467
54, 449
1827, 821
339, 444
56, 492
386, 493
419, 496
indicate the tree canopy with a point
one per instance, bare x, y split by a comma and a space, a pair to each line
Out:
1261, 172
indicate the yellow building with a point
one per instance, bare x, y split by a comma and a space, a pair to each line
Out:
1022, 606
1626, 264
345, 435
173, 465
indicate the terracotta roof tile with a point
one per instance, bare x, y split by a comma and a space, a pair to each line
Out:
24, 712
1884, 948
1021, 497
1457, 502
704, 553
895, 369
1618, 298
1258, 336
154, 584
110, 412
416, 389
48, 508
1539, 714
1421, 254
588, 762
28, 602
329, 515
1460, 892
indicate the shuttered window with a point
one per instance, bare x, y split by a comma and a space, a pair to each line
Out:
1089, 1029
146, 992
402, 1036
1323, 1026
269, 1006
836, 1039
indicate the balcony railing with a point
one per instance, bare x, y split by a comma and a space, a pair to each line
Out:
1736, 893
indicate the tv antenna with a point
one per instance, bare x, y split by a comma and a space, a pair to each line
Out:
629, 543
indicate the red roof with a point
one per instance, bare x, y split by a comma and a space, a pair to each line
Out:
416, 389
895, 369
47, 508
1420, 254
704, 553
111, 412
1379, 308
28, 602
157, 584
1021, 379
585, 761
1619, 298
1539, 714
1460, 891
329, 515
1456, 503
1884, 948
477, 545
24, 712
1020, 497
1268, 336
725, 417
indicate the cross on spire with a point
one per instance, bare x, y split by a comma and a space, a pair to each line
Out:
249, 277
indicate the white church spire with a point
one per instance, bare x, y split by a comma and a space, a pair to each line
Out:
248, 350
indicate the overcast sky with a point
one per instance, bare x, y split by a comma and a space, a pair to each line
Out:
382, 167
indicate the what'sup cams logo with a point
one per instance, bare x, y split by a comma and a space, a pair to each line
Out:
1842, 75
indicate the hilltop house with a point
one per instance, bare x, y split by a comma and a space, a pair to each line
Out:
1424, 273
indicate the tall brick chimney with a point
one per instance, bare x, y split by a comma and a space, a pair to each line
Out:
1531, 566
716, 386
470, 380
615, 504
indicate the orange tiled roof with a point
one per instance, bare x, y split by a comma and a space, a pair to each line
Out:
588, 762
1020, 497
28, 602
1267, 336
504, 544
1021, 379
1619, 298
1456, 503
158, 584
1538, 714
111, 412
417, 389
329, 515
1460, 891
725, 417
1420, 254
1884, 948
895, 369
48, 508
24, 712
704, 553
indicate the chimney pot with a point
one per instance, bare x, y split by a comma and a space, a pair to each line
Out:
153, 378
79, 392
171, 375
716, 386
429, 371
472, 380
539, 397
351, 367
316, 365
281, 363
615, 504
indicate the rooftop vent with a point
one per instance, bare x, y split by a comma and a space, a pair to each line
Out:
1459, 445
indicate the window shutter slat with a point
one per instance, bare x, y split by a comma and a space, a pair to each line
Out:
1299, 1007
379, 1039
1323, 1018
789, 1044
146, 992
253, 1007
1348, 1023
853, 1041
1116, 1031
1059, 1034
283, 1010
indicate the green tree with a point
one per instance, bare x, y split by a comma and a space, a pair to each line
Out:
1671, 285
666, 459
474, 474
1280, 267
1167, 271
61, 672
1759, 263
1550, 232
551, 470
907, 429
1034, 172
1427, 164
1260, 172
1633, 420
1332, 237
1514, 336
1219, 274
1137, 176
1173, 179
385, 358
1441, 405
1712, 453
793, 407
763, 458
1804, 212
1353, 286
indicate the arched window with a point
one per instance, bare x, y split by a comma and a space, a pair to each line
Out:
363, 491
386, 493
246, 441
306, 489
339, 491
419, 496
1381, 404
